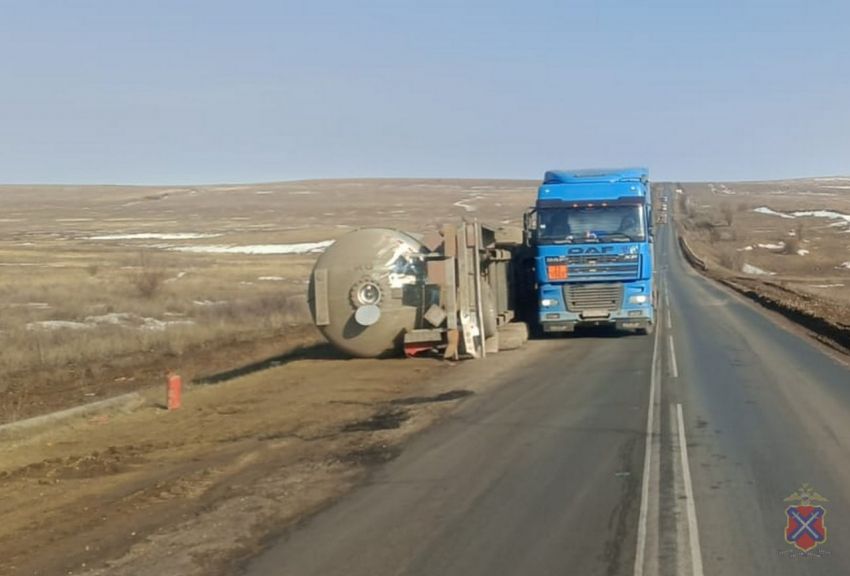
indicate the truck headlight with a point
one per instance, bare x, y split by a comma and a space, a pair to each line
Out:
548, 302
639, 299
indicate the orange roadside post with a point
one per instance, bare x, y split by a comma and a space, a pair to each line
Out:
174, 385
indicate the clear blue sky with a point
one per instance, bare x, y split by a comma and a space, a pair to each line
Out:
186, 91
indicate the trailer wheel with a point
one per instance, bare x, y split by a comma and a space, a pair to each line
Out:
520, 328
510, 340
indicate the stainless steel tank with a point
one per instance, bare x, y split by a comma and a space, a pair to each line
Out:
360, 291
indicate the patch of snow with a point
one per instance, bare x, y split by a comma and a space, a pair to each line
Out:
113, 318
750, 269
844, 265
209, 302
835, 186
154, 325
843, 219
37, 305
463, 204
300, 192
802, 252
263, 192
123, 319
800, 193
178, 277
271, 278
154, 236
769, 212
773, 246
35, 264
826, 285
302, 248
825, 214
745, 249
56, 325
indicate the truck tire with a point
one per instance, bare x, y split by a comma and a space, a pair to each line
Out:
648, 330
510, 340
520, 328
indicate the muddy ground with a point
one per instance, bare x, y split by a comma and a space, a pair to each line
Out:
193, 491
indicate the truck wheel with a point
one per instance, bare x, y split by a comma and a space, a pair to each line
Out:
648, 330
520, 328
510, 340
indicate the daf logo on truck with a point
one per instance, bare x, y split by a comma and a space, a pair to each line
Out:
591, 250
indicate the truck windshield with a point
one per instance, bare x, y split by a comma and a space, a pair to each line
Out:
597, 224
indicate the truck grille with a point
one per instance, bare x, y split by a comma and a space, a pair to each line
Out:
611, 265
581, 297
595, 258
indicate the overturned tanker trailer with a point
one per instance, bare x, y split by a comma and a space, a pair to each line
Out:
379, 292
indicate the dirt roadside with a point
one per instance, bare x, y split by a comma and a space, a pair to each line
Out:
193, 491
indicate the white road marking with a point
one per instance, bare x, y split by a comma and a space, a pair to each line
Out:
669, 320
640, 551
693, 532
674, 368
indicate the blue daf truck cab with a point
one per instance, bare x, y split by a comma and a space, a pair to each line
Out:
590, 237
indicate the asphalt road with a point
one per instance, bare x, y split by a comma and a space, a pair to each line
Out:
666, 454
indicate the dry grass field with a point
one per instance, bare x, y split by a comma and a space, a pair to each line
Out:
103, 289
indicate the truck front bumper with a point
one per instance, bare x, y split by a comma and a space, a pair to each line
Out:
633, 319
